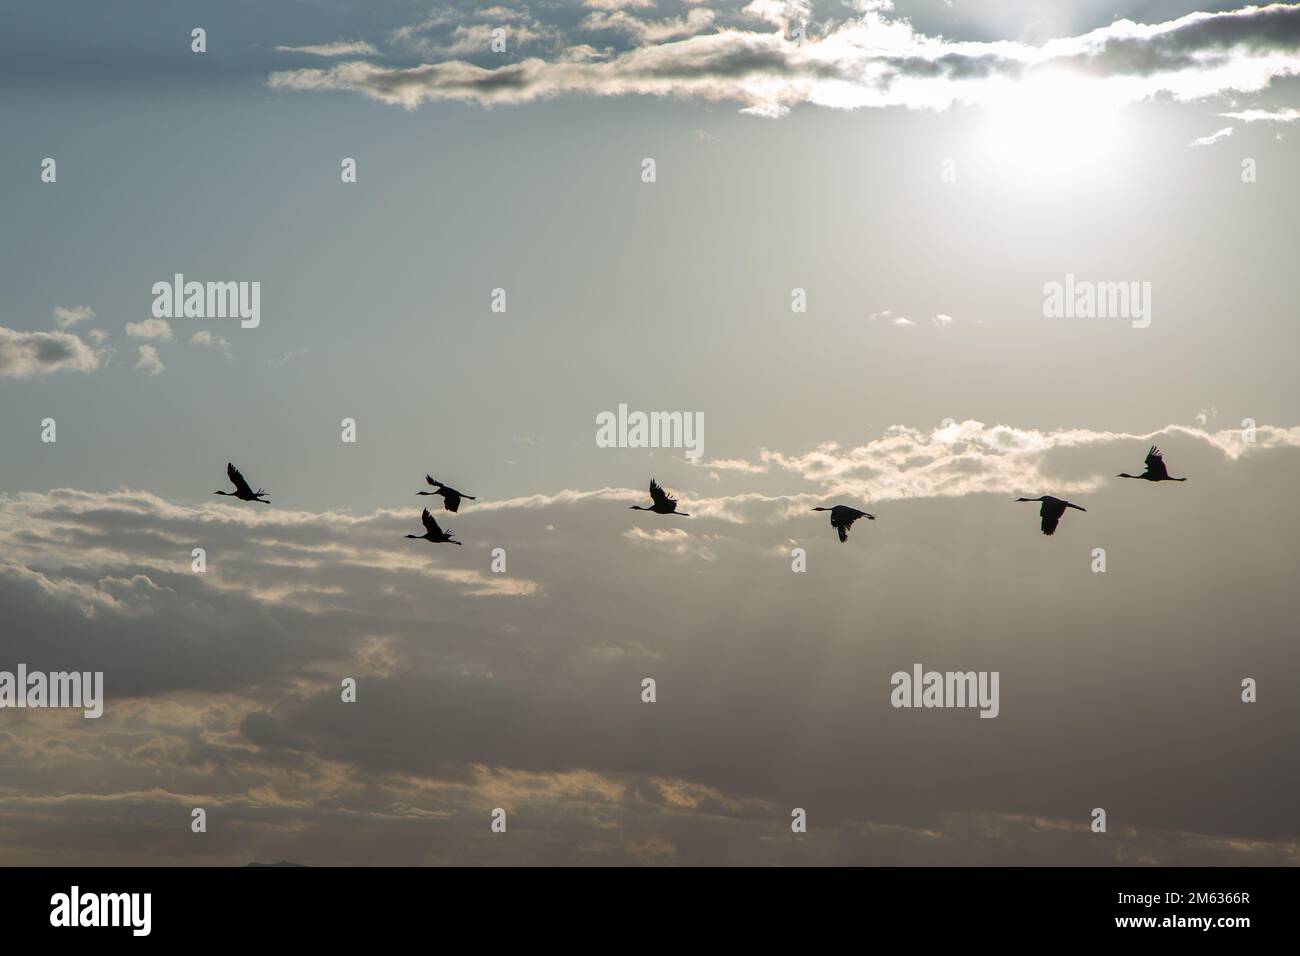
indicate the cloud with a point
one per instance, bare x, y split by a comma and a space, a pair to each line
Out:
675, 542
444, 34
149, 362
338, 48
646, 31
78, 313
785, 14
618, 4
942, 320
209, 340
25, 354
158, 329
871, 61
1212, 138
971, 457
1265, 116
522, 690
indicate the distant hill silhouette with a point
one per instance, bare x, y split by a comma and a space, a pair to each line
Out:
281, 863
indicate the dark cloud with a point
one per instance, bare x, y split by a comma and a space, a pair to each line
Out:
1118, 690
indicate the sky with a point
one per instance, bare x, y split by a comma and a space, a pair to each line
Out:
914, 175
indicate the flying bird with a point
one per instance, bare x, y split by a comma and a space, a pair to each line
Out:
432, 532
1052, 510
842, 518
1156, 470
450, 496
663, 503
242, 491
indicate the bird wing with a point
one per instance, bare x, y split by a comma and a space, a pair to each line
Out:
237, 479
1051, 515
658, 494
429, 479
1156, 462
430, 525
450, 499
842, 518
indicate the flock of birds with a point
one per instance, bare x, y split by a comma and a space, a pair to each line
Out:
662, 503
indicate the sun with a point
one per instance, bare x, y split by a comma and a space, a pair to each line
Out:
1053, 123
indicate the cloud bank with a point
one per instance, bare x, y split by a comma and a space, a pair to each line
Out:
522, 689
876, 60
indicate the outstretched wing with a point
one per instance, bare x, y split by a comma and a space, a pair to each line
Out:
1156, 463
237, 480
450, 499
842, 519
430, 525
1051, 513
658, 494
429, 479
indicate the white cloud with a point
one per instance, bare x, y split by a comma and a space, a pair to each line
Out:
71, 316
651, 31
25, 354
149, 362
942, 320
618, 4
157, 329
209, 339
1212, 138
339, 48
675, 542
784, 14
973, 458
1265, 116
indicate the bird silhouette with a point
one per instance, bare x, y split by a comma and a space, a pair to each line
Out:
663, 503
432, 532
242, 491
1156, 470
1052, 510
842, 518
450, 496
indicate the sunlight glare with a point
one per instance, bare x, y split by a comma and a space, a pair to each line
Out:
1052, 123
